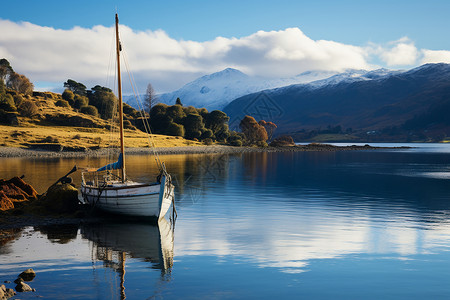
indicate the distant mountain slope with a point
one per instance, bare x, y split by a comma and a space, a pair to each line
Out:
216, 90
368, 101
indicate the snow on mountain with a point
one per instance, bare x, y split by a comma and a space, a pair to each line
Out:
217, 90
353, 76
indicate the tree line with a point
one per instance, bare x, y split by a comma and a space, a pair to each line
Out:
192, 123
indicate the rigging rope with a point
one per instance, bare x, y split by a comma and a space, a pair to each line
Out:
144, 119
113, 129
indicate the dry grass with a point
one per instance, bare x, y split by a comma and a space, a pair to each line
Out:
40, 129
82, 137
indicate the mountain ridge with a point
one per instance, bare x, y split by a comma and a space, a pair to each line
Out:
216, 90
389, 100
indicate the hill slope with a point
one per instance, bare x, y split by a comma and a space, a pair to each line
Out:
54, 127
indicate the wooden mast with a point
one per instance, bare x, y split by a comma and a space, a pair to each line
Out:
122, 147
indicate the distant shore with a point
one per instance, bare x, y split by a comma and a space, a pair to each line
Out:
22, 152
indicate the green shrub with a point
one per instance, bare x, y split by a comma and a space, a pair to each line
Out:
89, 110
283, 141
129, 110
175, 129
207, 134
80, 101
7, 103
68, 96
261, 144
28, 109
18, 99
235, 139
62, 103
208, 141
176, 113
128, 125
236, 143
50, 139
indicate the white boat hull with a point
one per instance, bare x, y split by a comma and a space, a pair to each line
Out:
130, 198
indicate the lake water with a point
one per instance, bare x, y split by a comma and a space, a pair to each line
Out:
303, 225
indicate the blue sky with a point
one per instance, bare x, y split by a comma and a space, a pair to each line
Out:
383, 32
354, 22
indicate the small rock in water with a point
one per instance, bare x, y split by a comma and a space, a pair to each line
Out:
18, 280
23, 287
7, 281
61, 198
28, 274
6, 293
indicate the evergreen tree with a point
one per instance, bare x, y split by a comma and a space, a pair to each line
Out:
193, 125
217, 121
75, 87
103, 99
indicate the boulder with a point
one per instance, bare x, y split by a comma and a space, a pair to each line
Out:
61, 198
18, 280
23, 287
5, 202
18, 182
28, 274
6, 293
12, 191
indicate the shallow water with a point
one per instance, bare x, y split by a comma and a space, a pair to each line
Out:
314, 225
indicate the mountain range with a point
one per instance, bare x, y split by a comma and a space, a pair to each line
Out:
216, 90
356, 100
415, 100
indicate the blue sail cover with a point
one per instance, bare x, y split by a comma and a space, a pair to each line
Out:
113, 166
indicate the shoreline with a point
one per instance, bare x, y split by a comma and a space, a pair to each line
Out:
10, 152
20, 219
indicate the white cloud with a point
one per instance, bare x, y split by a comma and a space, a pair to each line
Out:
435, 56
402, 52
46, 54
52, 55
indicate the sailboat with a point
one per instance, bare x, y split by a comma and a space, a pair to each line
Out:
108, 188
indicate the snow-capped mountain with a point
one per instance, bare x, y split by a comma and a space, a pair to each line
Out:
418, 99
217, 90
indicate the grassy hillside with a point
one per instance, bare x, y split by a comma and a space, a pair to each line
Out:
65, 126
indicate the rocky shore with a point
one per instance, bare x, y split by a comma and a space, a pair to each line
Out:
21, 205
22, 152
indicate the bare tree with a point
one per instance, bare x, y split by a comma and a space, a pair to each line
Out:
150, 98
20, 83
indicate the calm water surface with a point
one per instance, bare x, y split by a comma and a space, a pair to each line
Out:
304, 225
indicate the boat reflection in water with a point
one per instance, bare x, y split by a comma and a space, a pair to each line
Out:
114, 242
